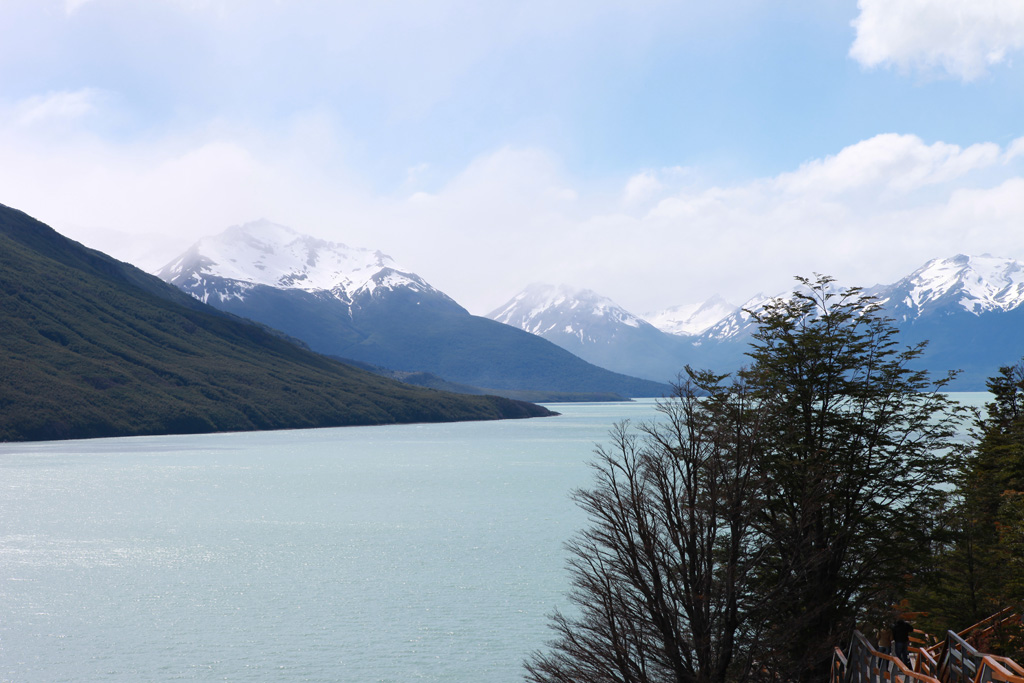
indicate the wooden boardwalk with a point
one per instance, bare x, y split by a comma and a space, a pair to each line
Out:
952, 660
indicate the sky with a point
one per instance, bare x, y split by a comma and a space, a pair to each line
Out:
657, 152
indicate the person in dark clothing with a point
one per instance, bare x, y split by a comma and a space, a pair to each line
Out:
901, 640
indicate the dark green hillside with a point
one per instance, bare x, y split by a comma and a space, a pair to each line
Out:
481, 352
410, 333
92, 347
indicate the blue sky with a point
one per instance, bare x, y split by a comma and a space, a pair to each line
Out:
657, 152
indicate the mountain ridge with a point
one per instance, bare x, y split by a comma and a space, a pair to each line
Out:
93, 347
360, 304
969, 309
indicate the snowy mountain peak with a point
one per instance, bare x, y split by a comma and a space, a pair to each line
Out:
266, 253
692, 319
543, 309
740, 321
977, 284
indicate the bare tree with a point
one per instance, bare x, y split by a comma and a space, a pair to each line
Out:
661, 580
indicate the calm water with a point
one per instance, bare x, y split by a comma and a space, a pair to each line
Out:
420, 552
407, 553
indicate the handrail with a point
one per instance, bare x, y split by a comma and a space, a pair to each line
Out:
959, 661
994, 617
839, 664
999, 617
992, 627
996, 672
1009, 664
865, 664
926, 661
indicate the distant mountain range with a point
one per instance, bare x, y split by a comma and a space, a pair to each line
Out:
967, 308
360, 305
92, 347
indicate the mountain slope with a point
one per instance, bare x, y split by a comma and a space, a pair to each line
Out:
971, 284
596, 329
358, 304
94, 347
968, 309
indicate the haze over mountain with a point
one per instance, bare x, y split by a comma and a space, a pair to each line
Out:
968, 309
359, 304
692, 319
91, 347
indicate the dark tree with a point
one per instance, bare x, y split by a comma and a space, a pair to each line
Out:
982, 568
744, 534
859, 449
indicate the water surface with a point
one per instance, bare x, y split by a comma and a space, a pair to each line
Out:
399, 553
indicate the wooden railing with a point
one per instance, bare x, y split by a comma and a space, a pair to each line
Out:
952, 660
985, 627
960, 662
862, 663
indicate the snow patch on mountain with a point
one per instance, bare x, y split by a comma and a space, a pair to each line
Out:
544, 309
740, 321
692, 319
977, 284
265, 253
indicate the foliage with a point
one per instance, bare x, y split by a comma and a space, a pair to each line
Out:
980, 567
750, 530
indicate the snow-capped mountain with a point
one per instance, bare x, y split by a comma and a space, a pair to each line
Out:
968, 308
359, 304
594, 328
580, 314
692, 319
231, 264
738, 323
976, 284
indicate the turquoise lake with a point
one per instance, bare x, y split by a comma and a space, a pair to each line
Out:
400, 553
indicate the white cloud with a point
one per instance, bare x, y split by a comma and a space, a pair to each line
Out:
641, 188
872, 212
70, 6
57, 106
1016, 149
961, 37
890, 163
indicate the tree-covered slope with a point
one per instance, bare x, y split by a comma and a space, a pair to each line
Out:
93, 347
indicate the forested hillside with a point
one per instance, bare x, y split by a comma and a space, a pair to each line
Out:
92, 347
